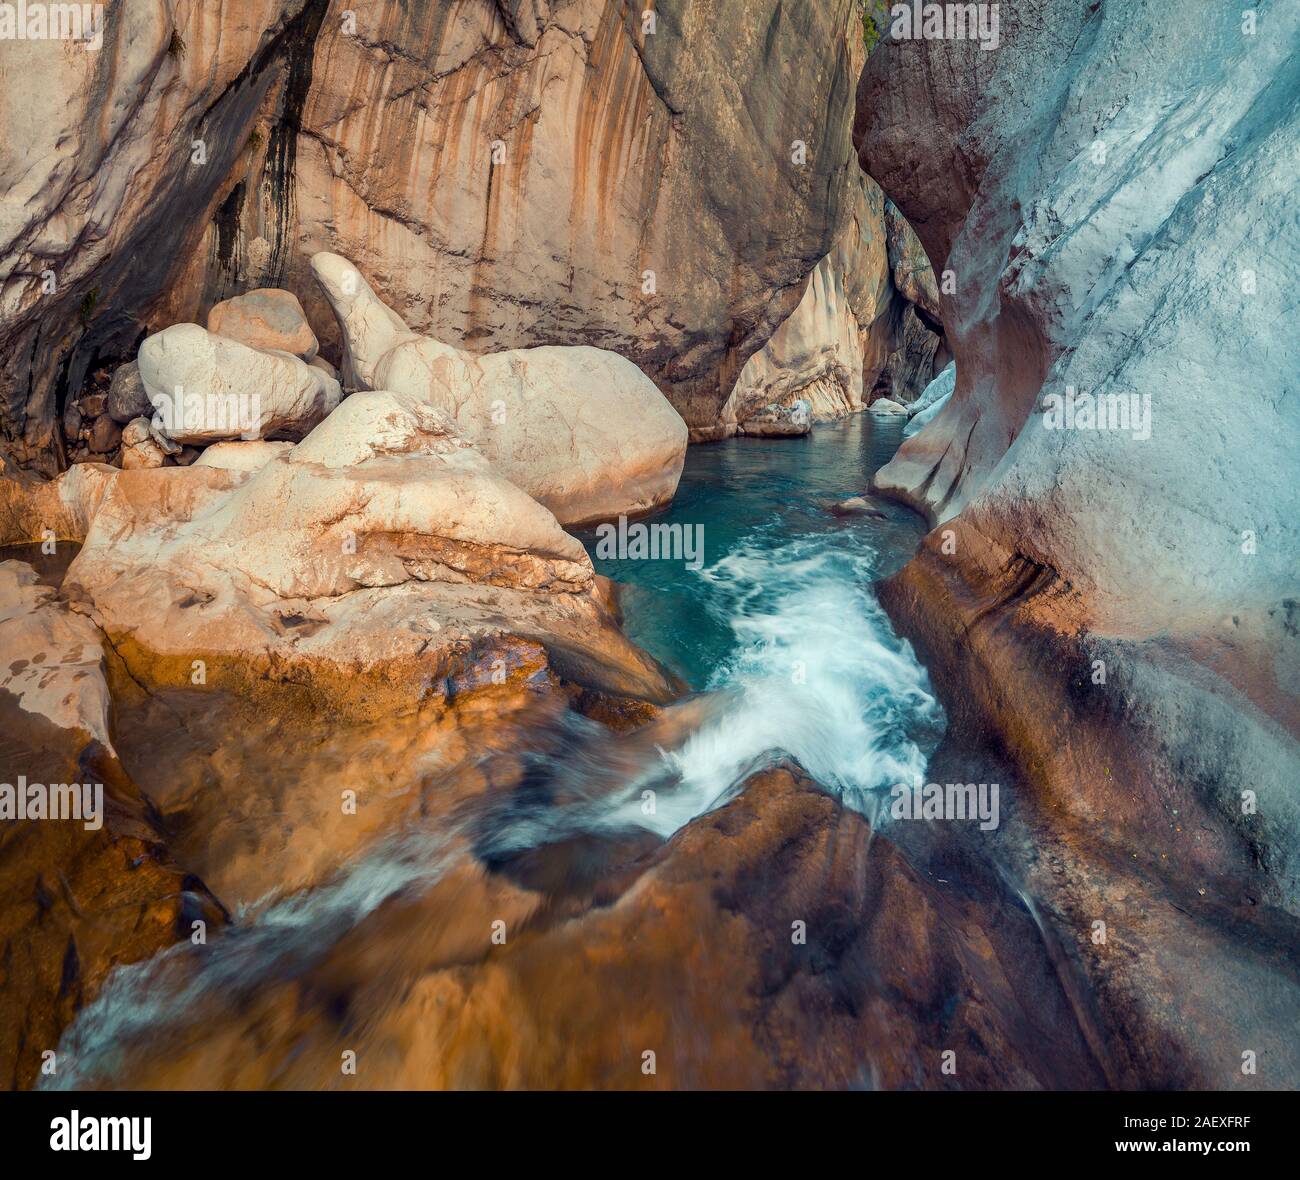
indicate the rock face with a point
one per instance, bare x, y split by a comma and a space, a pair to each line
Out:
901, 961
82, 897
369, 557
132, 145
928, 406
205, 388
777, 421
251, 136
545, 212
1134, 579
269, 319
854, 331
582, 430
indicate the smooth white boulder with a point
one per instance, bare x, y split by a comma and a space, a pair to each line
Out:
582, 430
886, 405
242, 456
205, 388
382, 546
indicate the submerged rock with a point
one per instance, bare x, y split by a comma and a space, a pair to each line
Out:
855, 506
582, 430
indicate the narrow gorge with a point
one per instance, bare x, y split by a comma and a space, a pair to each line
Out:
696, 544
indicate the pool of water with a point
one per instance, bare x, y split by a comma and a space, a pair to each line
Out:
759, 506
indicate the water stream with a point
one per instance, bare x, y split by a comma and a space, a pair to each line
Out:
778, 632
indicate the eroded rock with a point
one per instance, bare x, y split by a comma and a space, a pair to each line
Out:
393, 552
581, 430
205, 388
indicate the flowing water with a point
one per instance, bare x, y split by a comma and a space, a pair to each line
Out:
774, 626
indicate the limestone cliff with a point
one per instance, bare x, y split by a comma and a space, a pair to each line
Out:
1111, 596
868, 327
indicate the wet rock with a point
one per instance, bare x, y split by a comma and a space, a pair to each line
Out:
33, 509
773, 943
581, 430
886, 405
81, 900
269, 319
776, 421
855, 506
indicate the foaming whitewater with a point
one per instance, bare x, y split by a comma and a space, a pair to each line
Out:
817, 675
283, 940
802, 664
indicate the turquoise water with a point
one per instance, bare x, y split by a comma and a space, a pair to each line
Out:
759, 502
778, 630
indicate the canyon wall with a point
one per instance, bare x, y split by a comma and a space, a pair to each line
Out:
868, 324
507, 173
110, 168
1113, 599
